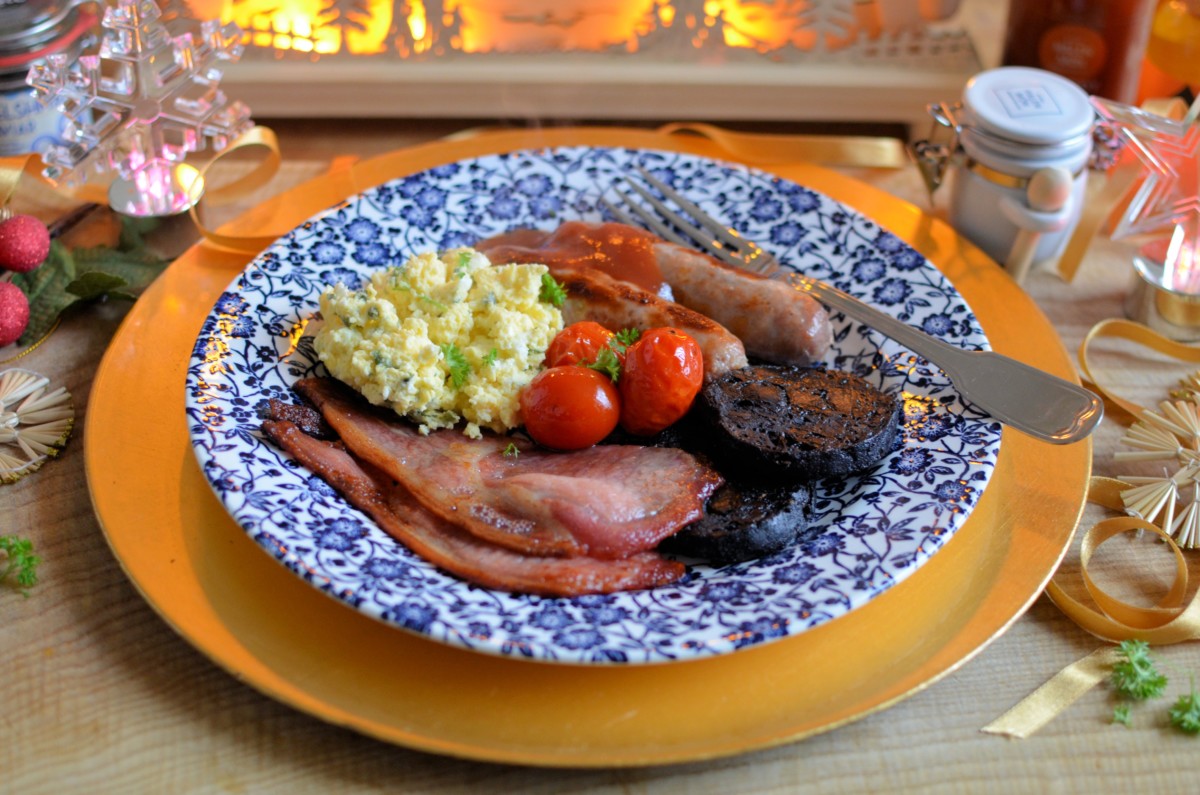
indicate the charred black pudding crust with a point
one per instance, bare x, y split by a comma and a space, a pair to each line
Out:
745, 521
809, 423
754, 514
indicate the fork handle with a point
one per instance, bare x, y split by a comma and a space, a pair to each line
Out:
1033, 401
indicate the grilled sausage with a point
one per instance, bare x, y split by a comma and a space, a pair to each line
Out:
594, 295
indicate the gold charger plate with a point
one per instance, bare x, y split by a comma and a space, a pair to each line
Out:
273, 631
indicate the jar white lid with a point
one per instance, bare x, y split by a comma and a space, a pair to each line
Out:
1025, 105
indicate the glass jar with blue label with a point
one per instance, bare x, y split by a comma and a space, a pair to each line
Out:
1017, 160
29, 31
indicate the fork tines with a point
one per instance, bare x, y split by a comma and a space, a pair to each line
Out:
701, 230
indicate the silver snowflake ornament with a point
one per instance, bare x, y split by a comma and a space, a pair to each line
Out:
141, 104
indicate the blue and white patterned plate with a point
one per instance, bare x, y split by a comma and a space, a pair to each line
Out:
870, 531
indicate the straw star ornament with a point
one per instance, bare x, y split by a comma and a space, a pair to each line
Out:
35, 422
1170, 434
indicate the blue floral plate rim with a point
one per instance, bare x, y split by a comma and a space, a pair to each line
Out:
871, 531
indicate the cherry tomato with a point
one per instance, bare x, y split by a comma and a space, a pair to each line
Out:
578, 343
662, 376
570, 407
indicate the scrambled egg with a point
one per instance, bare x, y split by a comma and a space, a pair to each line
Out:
444, 337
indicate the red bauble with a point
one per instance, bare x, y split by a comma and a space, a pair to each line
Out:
14, 313
24, 243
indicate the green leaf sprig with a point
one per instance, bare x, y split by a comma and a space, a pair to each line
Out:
1136, 676
20, 561
552, 292
70, 277
607, 362
460, 368
1185, 714
624, 338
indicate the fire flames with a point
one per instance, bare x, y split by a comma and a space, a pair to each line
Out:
420, 27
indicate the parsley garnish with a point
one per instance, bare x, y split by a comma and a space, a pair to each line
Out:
607, 363
511, 451
624, 338
552, 292
400, 283
464, 259
491, 357
19, 558
1122, 715
1136, 676
460, 368
396, 277
1185, 715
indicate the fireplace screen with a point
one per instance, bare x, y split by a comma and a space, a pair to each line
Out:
635, 58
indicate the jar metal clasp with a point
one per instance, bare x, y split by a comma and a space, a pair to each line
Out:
933, 154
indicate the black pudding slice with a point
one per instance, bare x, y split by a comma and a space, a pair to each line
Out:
745, 521
807, 423
753, 514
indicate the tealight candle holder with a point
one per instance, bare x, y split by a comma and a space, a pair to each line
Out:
1165, 294
158, 189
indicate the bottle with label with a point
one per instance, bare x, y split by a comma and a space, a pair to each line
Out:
1098, 44
1175, 40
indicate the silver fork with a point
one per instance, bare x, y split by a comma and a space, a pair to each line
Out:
1023, 397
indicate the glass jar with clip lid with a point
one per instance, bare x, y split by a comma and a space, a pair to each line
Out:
29, 31
1015, 149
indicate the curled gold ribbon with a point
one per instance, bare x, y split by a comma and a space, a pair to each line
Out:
266, 168
12, 169
1169, 621
1173, 619
767, 149
1140, 334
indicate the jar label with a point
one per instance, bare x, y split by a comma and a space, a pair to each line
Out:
1073, 51
27, 126
1024, 101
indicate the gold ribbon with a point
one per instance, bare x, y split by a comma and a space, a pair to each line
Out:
764, 149
1048, 701
1169, 621
1137, 333
260, 175
12, 169
246, 234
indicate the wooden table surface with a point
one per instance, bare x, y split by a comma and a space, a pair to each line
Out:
97, 694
